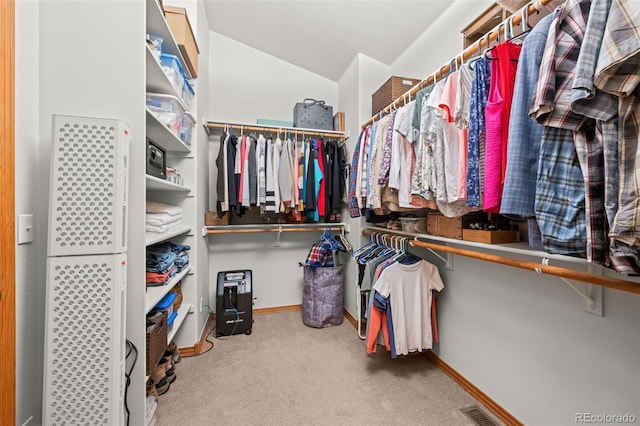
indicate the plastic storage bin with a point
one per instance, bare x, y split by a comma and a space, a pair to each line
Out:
417, 225
166, 304
168, 110
170, 321
187, 94
174, 71
188, 122
155, 44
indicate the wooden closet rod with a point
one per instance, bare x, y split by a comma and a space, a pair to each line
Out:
469, 52
273, 129
230, 230
271, 227
617, 284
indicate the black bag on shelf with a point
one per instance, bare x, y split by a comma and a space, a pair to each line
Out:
313, 114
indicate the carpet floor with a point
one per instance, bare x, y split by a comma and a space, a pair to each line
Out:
285, 373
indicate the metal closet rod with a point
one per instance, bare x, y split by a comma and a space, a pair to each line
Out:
469, 52
245, 229
617, 284
272, 129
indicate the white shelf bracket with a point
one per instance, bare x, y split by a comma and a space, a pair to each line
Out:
447, 260
592, 296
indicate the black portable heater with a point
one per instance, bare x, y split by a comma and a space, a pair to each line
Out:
234, 303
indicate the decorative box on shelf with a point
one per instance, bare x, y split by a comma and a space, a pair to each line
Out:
499, 236
212, 219
181, 29
390, 91
442, 226
478, 227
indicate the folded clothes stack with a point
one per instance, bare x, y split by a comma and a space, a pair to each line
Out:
164, 260
162, 217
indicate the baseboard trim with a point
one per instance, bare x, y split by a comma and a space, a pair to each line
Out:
351, 319
474, 391
260, 311
199, 347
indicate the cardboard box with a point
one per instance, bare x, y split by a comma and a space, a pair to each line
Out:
212, 219
182, 32
490, 237
442, 226
390, 91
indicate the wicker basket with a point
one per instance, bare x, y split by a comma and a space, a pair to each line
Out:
390, 91
177, 289
212, 219
156, 342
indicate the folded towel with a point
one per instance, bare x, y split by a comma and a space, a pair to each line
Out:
156, 207
161, 218
163, 228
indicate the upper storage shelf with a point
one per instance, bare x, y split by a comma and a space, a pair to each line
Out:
157, 80
157, 25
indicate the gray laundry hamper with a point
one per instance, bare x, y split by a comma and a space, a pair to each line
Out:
323, 296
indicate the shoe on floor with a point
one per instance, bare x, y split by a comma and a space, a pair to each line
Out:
159, 377
170, 369
174, 351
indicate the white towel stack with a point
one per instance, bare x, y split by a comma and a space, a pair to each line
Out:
162, 217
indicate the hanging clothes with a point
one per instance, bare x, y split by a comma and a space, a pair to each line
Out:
497, 114
560, 190
480, 86
221, 183
409, 289
252, 171
617, 74
525, 135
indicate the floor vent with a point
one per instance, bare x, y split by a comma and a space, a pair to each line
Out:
478, 416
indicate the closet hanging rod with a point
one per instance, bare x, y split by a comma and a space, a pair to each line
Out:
469, 52
245, 229
617, 284
210, 125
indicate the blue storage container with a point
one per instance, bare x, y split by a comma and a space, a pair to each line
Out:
187, 94
171, 319
173, 69
166, 304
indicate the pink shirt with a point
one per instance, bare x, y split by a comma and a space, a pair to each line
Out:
493, 147
455, 144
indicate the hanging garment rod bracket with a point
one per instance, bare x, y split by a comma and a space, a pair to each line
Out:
592, 296
447, 260
279, 237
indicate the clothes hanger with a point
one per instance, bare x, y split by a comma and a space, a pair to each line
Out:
473, 60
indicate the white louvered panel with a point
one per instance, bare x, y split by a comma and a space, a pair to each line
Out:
88, 188
84, 343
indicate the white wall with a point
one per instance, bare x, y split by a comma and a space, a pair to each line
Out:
373, 74
60, 69
439, 43
526, 341
248, 84
30, 273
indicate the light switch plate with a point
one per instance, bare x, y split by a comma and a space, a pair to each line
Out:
25, 228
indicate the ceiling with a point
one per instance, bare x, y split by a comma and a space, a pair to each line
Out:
323, 36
